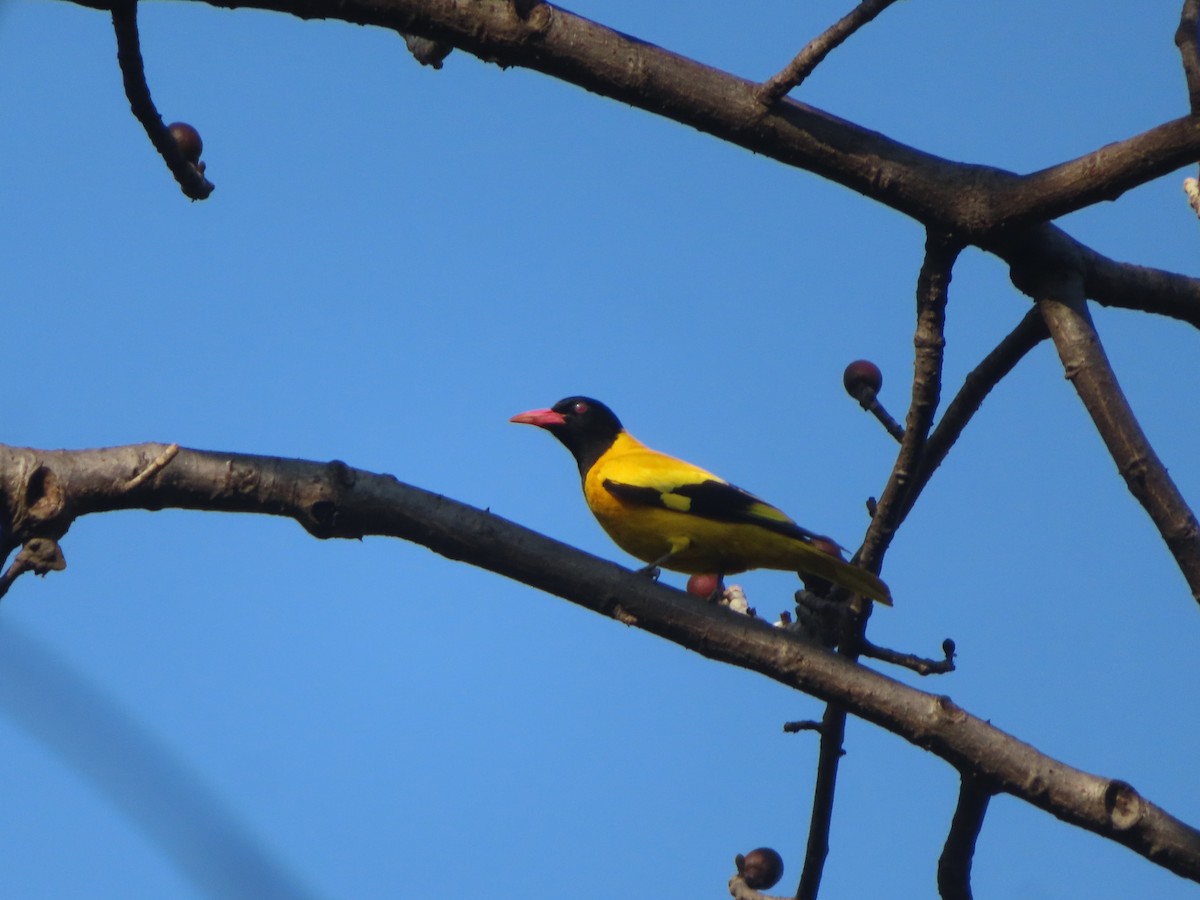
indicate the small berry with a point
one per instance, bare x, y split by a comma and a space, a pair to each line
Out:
704, 585
862, 376
188, 140
761, 869
827, 545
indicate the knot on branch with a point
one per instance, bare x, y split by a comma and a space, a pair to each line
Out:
324, 519
1123, 804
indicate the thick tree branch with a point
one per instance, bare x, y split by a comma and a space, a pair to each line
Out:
1103, 174
129, 56
1060, 294
954, 866
969, 199
789, 78
1127, 286
44, 491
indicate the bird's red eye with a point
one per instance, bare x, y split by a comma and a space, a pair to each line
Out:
580, 408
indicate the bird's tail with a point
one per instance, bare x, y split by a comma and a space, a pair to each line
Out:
846, 575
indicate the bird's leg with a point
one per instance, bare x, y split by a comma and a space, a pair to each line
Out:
718, 591
652, 568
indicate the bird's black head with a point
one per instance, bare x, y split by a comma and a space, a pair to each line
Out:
585, 426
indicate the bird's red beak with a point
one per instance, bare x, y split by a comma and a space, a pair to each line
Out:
542, 418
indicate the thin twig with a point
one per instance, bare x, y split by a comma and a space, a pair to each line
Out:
918, 664
869, 401
954, 865
129, 58
802, 725
929, 341
1028, 333
778, 85
153, 468
1060, 297
1187, 36
833, 737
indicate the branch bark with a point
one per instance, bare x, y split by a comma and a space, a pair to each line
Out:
44, 491
790, 77
1061, 297
954, 866
973, 200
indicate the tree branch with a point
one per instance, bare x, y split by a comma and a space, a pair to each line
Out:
129, 56
1030, 332
929, 342
954, 866
778, 85
333, 500
1103, 174
1060, 295
933, 285
816, 850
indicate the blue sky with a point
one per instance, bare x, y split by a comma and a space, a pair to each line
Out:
395, 261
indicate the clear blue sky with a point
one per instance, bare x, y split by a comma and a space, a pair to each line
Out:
396, 260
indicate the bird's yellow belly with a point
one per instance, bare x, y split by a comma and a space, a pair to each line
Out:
697, 545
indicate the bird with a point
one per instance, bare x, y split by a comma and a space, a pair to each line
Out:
670, 513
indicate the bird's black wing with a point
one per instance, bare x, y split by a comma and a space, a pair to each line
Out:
711, 499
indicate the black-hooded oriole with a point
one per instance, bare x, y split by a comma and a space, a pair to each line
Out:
670, 513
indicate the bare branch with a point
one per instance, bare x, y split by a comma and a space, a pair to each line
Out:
333, 500
954, 866
1186, 38
1060, 296
1108, 282
933, 285
1030, 332
918, 664
1103, 174
833, 736
973, 200
129, 56
778, 85
1127, 286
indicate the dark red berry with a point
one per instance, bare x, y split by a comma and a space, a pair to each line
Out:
761, 869
827, 545
188, 140
703, 585
862, 376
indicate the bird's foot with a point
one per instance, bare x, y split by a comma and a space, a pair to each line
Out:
651, 571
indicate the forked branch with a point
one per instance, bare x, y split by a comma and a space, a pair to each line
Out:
1060, 296
788, 79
